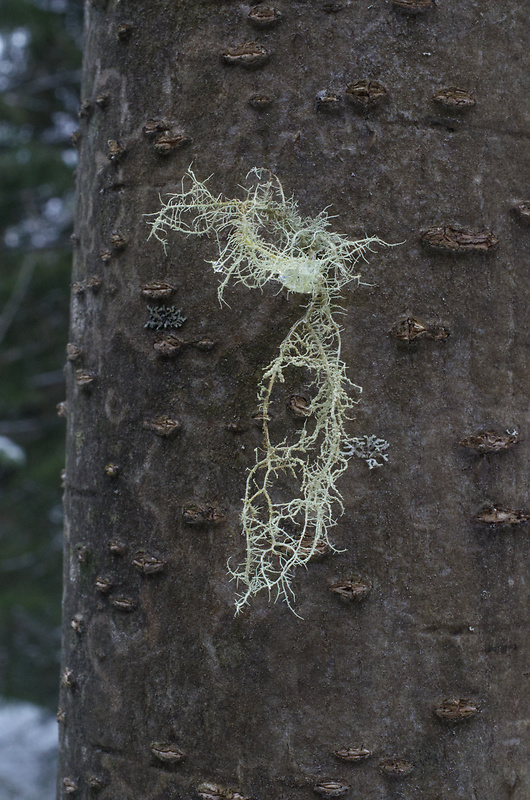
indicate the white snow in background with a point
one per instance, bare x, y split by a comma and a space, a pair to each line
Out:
28, 752
11, 453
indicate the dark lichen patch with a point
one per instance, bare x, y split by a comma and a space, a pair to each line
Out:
164, 317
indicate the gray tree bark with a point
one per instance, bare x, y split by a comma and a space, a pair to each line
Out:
165, 694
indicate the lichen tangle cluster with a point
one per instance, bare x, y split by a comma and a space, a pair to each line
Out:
262, 239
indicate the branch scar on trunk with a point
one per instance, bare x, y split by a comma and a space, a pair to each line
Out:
262, 238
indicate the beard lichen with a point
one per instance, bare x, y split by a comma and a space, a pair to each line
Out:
263, 239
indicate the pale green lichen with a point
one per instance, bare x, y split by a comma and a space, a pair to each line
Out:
261, 239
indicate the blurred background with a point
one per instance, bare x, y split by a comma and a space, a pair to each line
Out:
40, 61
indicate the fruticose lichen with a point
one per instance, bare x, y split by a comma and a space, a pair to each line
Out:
263, 239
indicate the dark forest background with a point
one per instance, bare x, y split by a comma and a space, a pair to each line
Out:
40, 63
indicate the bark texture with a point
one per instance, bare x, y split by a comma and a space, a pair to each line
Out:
154, 661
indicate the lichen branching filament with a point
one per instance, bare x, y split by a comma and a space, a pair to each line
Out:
262, 238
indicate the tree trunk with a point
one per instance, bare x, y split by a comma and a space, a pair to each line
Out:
428, 671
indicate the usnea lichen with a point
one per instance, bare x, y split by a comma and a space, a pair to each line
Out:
263, 239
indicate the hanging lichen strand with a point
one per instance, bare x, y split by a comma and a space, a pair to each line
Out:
262, 238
